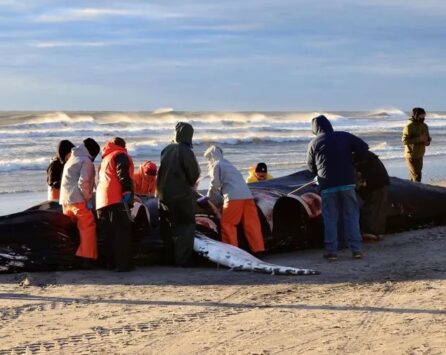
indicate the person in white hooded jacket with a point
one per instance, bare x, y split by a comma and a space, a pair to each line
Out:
78, 179
239, 206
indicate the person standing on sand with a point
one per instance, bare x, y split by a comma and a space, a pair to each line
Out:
415, 139
372, 186
55, 169
330, 158
78, 179
177, 177
238, 206
114, 194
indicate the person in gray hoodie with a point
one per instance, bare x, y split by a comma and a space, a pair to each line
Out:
238, 202
78, 179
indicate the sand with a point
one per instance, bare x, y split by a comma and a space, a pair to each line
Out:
392, 302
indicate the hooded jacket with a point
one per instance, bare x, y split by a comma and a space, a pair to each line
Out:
412, 132
372, 174
115, 175
55, 169
225, 178
330, 154
145, 184
179, 170
78, 177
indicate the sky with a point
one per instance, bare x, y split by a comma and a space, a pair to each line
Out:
243, 55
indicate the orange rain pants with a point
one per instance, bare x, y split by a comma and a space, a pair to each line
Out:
79, 213
244, 211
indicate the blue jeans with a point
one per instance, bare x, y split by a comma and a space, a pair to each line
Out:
341, 206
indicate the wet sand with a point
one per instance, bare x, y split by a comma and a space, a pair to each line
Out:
392, 302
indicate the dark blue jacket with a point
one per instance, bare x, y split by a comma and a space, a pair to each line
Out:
330, 154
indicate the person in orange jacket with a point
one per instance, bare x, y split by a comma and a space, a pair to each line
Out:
114, 194
76, 191
239, 206
145, 179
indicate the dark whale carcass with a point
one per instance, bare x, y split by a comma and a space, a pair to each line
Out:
42, 238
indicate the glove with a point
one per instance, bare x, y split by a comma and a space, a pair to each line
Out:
202, 200
126, 197
90, 205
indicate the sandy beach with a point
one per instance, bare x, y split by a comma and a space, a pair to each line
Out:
392, 302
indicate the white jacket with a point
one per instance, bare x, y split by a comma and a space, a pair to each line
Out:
225, 178
78, 177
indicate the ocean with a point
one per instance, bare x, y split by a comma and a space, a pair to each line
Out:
280, 139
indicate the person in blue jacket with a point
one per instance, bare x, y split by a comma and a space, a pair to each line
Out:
330, 157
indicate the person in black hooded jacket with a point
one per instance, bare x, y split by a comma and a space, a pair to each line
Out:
177, 176
55, 169
373, 181
330, 157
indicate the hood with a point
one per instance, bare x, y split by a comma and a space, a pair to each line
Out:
111, 147
184, 133
321, 124
80, 151
213, 153
146, 167
63, 148
252, 171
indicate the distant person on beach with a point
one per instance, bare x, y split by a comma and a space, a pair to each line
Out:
76, 191
415, 139
145, 179
258, 173
330, 158
372, 187
239, 206
177, 176
114, 196
55, 169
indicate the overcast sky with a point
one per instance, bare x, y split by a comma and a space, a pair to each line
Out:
222, 55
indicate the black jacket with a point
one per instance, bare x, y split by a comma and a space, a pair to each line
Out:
330, 154
55, 169
179, 169
372, 173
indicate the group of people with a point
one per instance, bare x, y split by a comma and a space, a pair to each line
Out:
341, 162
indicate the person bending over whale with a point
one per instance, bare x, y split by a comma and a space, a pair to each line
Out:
238, 206
55, 169
330, 158
78, 180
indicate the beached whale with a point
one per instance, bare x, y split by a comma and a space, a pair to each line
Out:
42, 238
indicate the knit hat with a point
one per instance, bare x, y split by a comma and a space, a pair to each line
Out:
261, 168
92, 147
119, 141
63, 148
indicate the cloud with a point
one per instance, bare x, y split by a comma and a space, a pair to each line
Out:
58, 44
92, 14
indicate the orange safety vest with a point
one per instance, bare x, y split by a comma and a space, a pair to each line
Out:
144, 185
109, 189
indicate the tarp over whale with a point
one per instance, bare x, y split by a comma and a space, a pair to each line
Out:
42, 238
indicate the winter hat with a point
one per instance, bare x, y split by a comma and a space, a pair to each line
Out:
417, 111
63, 148
119, 141
261, 168
92, 147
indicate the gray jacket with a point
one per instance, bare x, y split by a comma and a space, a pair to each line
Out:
78, 177
225, 178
